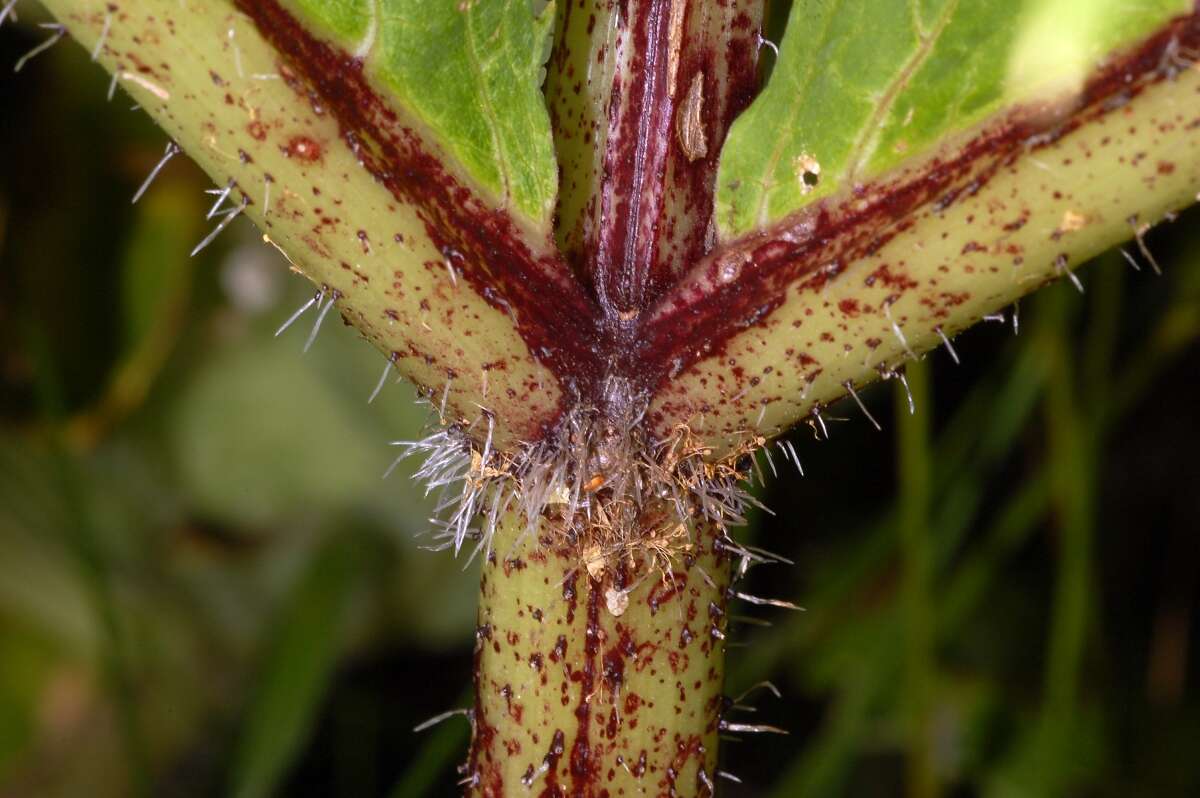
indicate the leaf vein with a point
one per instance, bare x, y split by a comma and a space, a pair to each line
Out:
867, 140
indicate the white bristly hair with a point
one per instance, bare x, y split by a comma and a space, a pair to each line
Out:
57, 32
171, 151
596, 475
8, 10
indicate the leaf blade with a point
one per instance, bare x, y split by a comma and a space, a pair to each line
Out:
861, 87
471, 73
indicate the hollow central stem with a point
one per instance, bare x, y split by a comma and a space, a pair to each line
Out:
597, 681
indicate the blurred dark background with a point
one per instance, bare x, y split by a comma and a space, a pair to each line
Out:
206, 588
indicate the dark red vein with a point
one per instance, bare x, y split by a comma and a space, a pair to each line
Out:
553, 314
705, 310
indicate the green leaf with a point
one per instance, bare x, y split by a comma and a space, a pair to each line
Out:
472, 72
862, 86
348, 21
296, 669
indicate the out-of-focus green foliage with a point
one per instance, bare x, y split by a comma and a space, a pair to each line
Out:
206, 588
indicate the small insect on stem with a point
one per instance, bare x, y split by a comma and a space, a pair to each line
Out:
59, 32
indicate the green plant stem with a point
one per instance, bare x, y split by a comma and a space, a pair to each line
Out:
578, 690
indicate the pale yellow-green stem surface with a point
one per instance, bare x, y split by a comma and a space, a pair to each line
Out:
949, 265
600, 682
206, 75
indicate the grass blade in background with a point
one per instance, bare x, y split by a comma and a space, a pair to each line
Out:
443, 745
915, 469
300, 657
